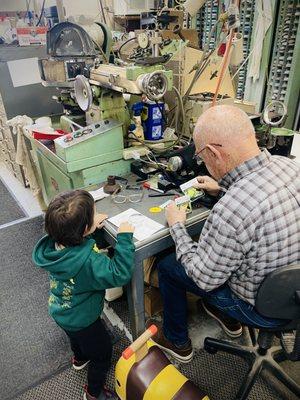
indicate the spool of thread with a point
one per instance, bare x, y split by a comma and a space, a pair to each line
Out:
193, 6
237, 55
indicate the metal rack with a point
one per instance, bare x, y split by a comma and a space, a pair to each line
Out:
247, 10
206, 18
284, 78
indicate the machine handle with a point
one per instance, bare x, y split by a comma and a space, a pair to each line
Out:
139, 342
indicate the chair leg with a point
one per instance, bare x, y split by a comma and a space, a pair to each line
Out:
212, 346
283, 377
250, 379
278, 354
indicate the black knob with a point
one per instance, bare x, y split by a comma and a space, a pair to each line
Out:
106, 121
97, 126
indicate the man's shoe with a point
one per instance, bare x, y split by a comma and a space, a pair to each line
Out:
230, 326
78, 365
182, 353
106, 394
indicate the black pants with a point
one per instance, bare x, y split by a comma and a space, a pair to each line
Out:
93, 343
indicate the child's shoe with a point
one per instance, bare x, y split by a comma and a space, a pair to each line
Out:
104, 395
78, 365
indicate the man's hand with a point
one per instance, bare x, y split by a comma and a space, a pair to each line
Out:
209, 184
174, 215
126, 227
99, 220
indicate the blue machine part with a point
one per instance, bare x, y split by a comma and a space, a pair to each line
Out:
153, 121
137, 108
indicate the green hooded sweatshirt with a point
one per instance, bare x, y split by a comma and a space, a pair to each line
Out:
79, 276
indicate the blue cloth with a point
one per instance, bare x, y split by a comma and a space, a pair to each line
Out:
174, 283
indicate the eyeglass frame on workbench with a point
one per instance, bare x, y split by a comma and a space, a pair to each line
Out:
128, 197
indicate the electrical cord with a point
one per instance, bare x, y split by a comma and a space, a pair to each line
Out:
179, 98
42, 12
101, 51
123, 44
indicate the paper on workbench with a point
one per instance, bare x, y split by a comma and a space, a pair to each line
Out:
144, 226
98, 194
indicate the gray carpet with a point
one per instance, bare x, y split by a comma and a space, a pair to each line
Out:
9, 208
68, 384
32, 347
219, 375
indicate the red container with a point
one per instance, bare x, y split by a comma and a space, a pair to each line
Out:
49, 136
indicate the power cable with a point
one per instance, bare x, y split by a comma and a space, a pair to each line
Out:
42, 12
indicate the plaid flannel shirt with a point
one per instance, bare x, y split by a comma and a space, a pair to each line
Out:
252, 230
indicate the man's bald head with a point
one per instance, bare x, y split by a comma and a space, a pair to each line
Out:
225, 125
231, 129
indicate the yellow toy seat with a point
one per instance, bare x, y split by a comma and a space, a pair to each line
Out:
145, 373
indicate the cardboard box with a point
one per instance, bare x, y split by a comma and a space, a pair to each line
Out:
153, 301
32, 35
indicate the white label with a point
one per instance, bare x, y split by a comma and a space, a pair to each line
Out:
24, 72
188, 184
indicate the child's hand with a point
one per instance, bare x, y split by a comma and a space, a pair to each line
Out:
99, 220
126, 227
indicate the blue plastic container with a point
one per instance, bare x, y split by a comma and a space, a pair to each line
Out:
153, 122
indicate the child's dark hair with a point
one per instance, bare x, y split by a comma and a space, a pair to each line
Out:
68, 215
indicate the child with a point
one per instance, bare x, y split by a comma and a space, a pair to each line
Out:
79, 274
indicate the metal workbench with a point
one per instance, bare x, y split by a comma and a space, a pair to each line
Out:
160, 241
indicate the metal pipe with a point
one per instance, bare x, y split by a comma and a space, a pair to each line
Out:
60, 10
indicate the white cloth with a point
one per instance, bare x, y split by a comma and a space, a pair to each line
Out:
23, 158
263, 23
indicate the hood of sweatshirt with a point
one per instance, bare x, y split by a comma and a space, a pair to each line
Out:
63, 264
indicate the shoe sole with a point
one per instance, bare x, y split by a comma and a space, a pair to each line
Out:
232, 334
81, 366
182, 359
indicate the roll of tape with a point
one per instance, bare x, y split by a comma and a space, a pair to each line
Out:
237, 55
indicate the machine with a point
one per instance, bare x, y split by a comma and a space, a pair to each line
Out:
81, 159
91, 90
101, 96
79, 66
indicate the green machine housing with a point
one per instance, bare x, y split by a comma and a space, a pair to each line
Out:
81, 159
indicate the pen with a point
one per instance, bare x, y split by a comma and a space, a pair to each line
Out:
148, 186
162, 194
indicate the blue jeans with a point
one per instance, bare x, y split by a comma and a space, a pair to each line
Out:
174, 283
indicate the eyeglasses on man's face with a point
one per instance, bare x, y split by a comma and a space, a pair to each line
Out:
196, 155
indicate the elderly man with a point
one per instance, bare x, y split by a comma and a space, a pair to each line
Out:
253, 229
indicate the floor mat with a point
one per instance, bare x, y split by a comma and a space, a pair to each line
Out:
32, 347
9, 210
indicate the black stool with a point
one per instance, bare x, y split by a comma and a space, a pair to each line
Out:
278, 297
